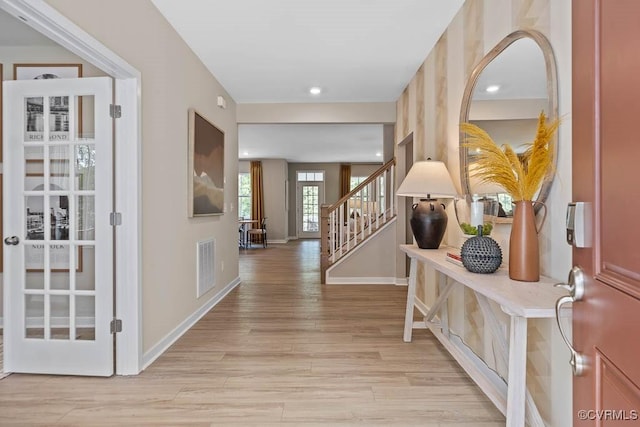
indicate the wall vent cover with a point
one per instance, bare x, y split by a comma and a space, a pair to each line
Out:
206, 271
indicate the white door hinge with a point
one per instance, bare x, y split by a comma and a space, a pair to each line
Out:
115, 111
115, 326
115, 218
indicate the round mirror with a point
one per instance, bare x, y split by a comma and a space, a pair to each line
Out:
504, 96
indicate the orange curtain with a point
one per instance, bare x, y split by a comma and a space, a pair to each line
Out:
257, 191
345, 179
345, 184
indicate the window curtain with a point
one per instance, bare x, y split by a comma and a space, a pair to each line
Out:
345, 179
257, 191
345, 184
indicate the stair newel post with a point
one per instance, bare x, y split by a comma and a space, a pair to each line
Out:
325, 238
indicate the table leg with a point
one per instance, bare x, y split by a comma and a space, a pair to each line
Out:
411, 297
517, 384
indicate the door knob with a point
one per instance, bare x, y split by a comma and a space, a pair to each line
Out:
575, 286
13, 240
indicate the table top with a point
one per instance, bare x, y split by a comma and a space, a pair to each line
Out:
526, 299
248, 221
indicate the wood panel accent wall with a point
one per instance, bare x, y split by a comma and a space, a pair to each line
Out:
434, 115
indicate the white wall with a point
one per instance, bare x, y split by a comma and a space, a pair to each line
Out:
173, 80
274, 175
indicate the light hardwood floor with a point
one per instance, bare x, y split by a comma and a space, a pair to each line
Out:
281, 349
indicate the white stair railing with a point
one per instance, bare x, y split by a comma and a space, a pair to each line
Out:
356, 216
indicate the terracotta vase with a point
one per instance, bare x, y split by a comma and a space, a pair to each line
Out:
524, 251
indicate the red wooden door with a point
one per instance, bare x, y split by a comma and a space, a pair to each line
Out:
606, 172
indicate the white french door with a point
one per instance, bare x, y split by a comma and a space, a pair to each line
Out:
310, 198
58, 253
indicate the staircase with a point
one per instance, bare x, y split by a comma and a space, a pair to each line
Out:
357, 216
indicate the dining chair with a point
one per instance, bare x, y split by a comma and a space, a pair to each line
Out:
262, 232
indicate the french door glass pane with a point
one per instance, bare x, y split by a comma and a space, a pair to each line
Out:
34, 111
86, 256
34, 279
34, 312
85, 166
59, 209
310, 208
85, 317
59, 310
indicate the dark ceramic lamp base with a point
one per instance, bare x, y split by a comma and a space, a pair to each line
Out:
428, 223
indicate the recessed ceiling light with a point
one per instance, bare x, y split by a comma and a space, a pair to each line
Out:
378, 154
492, 88
315, 90
245, 153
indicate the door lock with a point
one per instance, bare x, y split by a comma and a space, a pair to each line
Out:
575, 286
13, 240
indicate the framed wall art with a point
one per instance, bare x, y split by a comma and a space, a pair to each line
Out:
46, 71
206, 167
58, 105
59, 218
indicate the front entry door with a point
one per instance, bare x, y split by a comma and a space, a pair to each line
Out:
310, 198
58, 253
606, 150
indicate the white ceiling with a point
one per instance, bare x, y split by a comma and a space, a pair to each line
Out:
273, 51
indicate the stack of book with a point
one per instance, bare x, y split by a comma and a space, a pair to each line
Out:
455, 258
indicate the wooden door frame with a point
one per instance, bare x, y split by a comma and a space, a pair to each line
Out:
127, 200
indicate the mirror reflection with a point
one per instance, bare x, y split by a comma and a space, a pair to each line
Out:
504, 96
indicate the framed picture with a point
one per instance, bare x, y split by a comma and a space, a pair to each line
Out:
58, 225
206, 167
46, 71
58, 105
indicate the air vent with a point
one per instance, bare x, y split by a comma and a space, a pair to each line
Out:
206, 270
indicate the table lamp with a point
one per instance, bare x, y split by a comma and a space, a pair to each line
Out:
429, 180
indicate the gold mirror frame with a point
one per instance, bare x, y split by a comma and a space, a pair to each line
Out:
551, 111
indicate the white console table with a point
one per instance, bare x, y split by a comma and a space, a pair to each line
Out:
520, 300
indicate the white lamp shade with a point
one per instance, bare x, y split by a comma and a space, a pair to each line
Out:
428, 179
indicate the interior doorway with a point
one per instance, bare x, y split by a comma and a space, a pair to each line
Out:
48, 21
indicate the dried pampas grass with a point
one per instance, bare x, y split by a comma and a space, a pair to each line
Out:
520, 176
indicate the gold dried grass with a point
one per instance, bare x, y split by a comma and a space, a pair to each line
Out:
520, 176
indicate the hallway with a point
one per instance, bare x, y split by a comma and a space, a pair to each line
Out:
281, 349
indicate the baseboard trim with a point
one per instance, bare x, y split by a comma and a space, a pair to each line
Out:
156, 351
402, 281
361, 280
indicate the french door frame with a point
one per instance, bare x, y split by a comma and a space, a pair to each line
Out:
127, 180
299, 207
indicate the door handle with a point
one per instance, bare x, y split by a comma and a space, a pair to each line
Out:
575, 286
13, 240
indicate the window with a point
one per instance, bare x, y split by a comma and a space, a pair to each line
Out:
311, 176
355, 181
377, 188
244, 195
